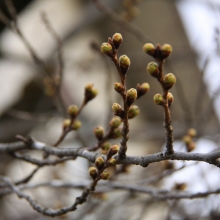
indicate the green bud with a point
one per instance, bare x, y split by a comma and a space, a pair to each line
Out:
116, 133
117, 40
117, 109
192, 132
119, 87
106, 146
115, 122
99, 162
166, 50
169, 81
149, 49
142, 89
99, 132
76, 125
131, 96
133, 111
158, 99
187, 139
72, 111
93, 172
112, 162
90, 92
66, 123
106, 48
105, 175
124, 63
153, 69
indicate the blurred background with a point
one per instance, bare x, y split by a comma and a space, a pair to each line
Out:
28, 104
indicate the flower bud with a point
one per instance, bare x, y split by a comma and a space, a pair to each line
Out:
117, 40
99, 132
158, 99
76, 125
166, 50
117, 109
116, 133
180, 186
105, 175
99, 162
169, 80
170, 98
142, 89
187, 139
93, 172
113, 150
118, 87
106, 146
72, 111
149, 49
112, 162
66, 123
153, 69
133, 111
131, 96
192, 132
115, 122
90, 92
191, 146
124, 63
106, 48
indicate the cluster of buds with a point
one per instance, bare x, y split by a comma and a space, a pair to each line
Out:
158, 52
188, 139
101, 164
68, 124
90, 92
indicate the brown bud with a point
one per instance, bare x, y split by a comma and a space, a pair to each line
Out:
191, 146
